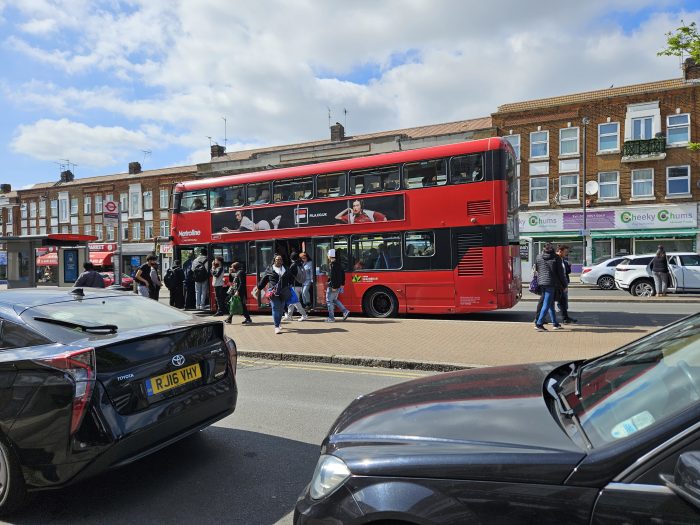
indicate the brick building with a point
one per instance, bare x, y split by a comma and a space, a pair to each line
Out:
645, 179
71, 205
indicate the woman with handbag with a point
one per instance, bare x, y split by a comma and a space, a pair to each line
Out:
237, 299
279, 290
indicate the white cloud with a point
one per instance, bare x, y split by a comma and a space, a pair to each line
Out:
97, 146
169, 71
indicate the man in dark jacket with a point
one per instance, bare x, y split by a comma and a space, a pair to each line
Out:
336, 282
175, 282
551, 279
190, 292
563, 297
89, 278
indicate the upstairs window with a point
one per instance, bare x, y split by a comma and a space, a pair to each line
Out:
374, 180
609, 136
643, 183
193, 200
98, 203
568, 141
609, 185
293, 189
227, 196
87, 205
330, 185
425, 174
148, 200
539, 144
539, 190
466, 168
259, 193
568, 187
678, 180
678, 129
164, 199
642, 128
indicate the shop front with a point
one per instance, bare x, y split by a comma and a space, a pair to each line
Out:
134, 255
615, 231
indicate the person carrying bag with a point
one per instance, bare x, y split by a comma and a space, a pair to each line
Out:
237, 295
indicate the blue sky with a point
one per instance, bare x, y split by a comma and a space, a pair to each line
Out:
100, 83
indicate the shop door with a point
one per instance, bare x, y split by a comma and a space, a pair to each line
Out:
264, 254
320, 259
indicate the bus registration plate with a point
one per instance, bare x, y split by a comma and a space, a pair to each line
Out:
161, 383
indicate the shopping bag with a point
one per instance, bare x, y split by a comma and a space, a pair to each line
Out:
234, 306
294, 298
534, 285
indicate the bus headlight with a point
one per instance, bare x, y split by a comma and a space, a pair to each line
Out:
331, 472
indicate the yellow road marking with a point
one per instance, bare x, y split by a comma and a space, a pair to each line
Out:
350, 369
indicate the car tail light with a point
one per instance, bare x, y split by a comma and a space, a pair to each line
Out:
80, 366
232, 353
585, 270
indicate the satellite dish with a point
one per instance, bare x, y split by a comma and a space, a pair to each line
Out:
591, 187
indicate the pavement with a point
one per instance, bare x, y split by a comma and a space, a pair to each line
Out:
580, 292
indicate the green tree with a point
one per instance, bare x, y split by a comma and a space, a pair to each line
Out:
684, 42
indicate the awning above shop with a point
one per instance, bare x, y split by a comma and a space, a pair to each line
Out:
101, 258
606, 234
550, 235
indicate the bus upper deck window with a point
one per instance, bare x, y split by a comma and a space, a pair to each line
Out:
259, 193
466, 168
193, 200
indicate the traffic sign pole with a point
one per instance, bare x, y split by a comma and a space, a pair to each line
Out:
118, 255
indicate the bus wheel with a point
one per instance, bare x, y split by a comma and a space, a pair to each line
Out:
380, 302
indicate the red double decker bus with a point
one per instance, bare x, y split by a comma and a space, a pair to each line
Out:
431, 230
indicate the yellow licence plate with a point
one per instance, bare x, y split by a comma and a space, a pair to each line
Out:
161, 383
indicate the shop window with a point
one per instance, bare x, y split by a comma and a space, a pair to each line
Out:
374, 180
678, 180
608, 185
376, 252
539, 190
643, 183
678, 129
608, 137
425, 174
330, 185
568, 141
683, 244
539, 144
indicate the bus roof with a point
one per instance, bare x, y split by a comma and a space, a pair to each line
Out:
384, 159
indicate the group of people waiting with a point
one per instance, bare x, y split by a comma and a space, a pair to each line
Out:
288, 288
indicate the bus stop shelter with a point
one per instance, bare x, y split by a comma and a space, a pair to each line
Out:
66, 252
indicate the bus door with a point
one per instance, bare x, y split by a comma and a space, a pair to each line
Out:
320, 260
264, 254
285, 247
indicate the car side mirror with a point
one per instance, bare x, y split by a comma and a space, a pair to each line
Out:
686, 478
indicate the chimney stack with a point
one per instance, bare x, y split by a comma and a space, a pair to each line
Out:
67, 176
691, 71
134, 168
337, 132
217, 151
5, 188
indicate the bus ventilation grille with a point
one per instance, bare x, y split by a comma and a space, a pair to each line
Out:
479, 208
470, 249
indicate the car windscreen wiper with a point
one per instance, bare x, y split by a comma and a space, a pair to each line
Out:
566, 411
109, 328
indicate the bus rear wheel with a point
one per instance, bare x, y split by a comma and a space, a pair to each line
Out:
380, 302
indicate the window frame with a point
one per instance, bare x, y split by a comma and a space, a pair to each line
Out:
515, 148
148, 200
670, 126
164, 232
343, 189
467, 179
531, 188
632, 181
136, 231
601, 184
406, 167
533, 143
385, 236
686, 177
419, 232
87, 205
377, 171
249, 195
576, 186
303, 180
642, 127
164, 192
563, 141
616, 149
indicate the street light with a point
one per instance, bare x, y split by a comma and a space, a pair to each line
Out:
584, 232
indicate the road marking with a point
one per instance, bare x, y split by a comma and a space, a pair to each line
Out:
349, 369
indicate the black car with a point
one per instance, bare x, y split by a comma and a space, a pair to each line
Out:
92, 379
604, 441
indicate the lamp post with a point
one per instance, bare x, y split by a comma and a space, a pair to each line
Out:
584, 232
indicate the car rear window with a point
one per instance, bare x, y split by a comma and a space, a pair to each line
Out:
625, 261
615, 262
126, 312
639, 261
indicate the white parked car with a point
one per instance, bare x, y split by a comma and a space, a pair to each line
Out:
634, 275
602, 274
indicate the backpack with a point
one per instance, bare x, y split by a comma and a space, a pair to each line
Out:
169, 279
298, 274
200, 273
